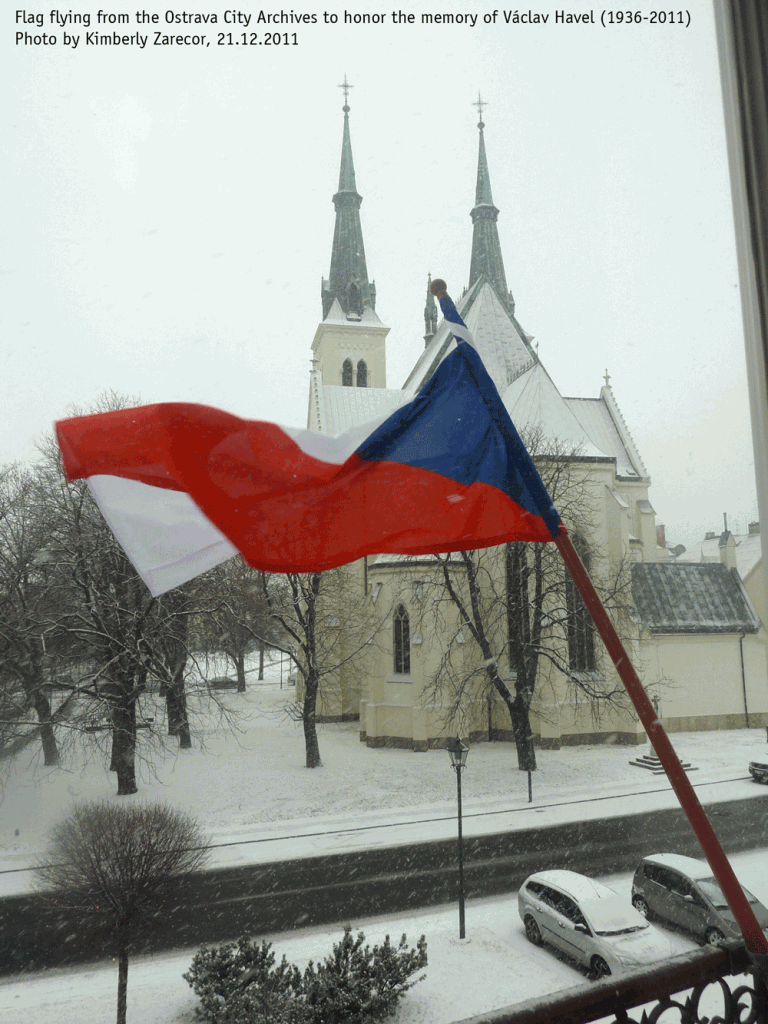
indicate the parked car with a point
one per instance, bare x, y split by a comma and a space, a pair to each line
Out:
589, 922
683, 892
759, 771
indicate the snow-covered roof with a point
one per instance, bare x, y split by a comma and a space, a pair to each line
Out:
595, 417
673, 597
748, 552
534, 403
571, 882
685, 865
501, 345
347, 407
336, 315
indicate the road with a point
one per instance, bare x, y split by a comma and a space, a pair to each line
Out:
274, 897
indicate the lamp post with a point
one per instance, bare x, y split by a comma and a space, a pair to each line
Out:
458, 755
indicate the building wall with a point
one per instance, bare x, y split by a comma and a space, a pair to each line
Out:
699, 680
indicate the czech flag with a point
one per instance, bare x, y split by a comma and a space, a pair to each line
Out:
184, 487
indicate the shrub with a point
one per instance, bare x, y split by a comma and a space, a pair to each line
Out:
240, 984
356, 984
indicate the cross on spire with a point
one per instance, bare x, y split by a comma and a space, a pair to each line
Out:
607, 379
346, 87
480, 103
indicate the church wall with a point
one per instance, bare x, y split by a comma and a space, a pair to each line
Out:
699, 680
399, 710
345, 624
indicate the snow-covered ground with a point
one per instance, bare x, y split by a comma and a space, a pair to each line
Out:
252, 793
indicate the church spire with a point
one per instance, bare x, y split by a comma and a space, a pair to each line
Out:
348, 279
486, 251
430, 314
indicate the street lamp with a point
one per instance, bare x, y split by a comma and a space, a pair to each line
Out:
458, 755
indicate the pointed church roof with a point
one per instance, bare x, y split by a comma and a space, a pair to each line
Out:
501, 342
487, 260
348, 282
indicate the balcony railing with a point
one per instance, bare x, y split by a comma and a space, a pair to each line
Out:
714, 985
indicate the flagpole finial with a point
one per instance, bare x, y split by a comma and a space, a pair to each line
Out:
438, 287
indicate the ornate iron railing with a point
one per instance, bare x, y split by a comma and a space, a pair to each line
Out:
706, 986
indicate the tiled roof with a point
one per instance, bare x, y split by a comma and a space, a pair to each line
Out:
690, 598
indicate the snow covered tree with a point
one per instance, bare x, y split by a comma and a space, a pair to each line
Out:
123, 864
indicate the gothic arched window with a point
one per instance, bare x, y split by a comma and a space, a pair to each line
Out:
518, 601
362, 374
580, 628
402, 641
355, 305
346, 373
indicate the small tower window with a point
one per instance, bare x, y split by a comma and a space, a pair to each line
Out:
362, 374
346, 373
402, 641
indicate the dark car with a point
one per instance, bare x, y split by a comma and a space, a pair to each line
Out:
683, 892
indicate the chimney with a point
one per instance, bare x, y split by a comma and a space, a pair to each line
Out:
710, 535
727, 548
661, 540
754, 528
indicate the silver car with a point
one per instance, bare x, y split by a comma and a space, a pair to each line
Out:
589, 922
683, 892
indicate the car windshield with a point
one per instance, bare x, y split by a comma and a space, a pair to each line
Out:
612, 916
714, 893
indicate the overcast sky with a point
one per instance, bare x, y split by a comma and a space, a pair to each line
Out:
168, 218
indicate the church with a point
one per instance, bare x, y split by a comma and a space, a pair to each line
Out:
692, 630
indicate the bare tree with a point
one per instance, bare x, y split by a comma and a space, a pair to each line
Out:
168, 655
123, 863
105, 614
236, 619
519, 608
25, 616
330, 626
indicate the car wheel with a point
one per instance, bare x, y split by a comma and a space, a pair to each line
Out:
641, 904
714, 936
599, 968
532, 932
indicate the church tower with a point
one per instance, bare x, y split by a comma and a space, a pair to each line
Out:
486, 258
348, 347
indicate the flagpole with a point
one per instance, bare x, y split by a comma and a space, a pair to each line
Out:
721, 868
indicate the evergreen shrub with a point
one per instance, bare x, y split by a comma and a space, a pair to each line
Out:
241, 983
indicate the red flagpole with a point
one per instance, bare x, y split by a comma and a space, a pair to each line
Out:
721, 868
